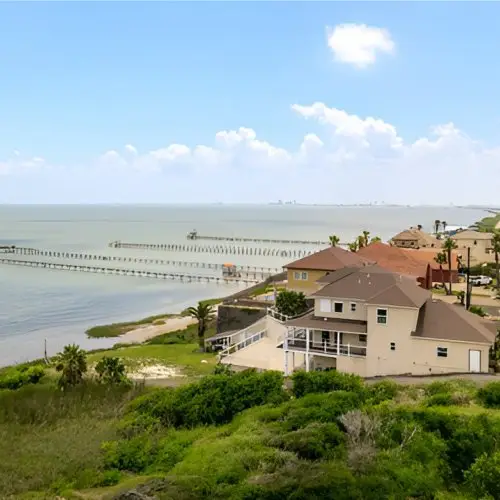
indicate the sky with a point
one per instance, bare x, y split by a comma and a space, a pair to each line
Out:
250, 102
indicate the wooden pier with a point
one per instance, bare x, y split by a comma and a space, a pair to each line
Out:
193, 235
187, 278
249, 271
215, 249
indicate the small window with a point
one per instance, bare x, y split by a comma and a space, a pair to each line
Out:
362, 339
304, 276
325, 305
353, 306
381, 316
475, 242
296, 276
442, 352
393, 346
339, 307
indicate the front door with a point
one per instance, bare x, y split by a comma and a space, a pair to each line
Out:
325, 338
474, 361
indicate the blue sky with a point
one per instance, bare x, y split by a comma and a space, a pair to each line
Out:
81, 81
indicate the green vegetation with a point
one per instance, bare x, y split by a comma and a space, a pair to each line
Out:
487, 224
245, 436
363, 240
117, 329
291, 303
204, 314
448, 246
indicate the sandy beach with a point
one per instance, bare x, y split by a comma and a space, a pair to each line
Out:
146, 332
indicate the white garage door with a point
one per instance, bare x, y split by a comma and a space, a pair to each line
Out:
474, 361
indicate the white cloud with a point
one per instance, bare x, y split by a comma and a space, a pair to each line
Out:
131, 149
359, 44
352, 159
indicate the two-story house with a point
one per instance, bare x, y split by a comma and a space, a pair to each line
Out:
415, 238
480, 244
372, 322
303, 274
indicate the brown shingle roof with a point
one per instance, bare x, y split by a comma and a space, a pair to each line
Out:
375, 285
471, 235
394, 259
331, 324
329, 259
443, 321
415, 234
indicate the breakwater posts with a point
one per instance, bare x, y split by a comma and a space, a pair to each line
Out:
248, 270
187, 278
215, 249
196, 236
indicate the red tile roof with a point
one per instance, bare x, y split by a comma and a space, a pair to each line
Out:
428, 255
394, 259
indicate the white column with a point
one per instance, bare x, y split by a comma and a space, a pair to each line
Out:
307, 349
338, 342
293, 361
285, 350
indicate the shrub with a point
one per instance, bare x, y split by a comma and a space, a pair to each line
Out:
482, 477
325, 381
132, 455
383, 391
291, 303
477, 310
441, 399
17, 377
489, 395
215, 399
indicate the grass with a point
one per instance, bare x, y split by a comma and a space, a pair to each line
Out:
487, 224
184, 356
117, 329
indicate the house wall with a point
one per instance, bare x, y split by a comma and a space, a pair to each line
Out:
479, 250
438, 276
352, 365
323, 362
426, 361
380, 359
359, 314
308, 285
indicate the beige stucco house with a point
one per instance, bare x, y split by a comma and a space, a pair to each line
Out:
415, 238
373, 322
480, 245
303, 274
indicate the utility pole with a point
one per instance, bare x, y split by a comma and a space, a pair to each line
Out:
468, 287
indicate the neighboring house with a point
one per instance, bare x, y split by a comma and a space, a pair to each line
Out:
399, 261
438, 273
304, 273
480, 245
372, 322
415, 238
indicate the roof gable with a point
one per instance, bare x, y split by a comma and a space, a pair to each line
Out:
472, 235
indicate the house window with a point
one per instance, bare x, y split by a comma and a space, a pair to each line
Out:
339, 307
325, 306
381, 316
393, 346
300, 276
353, 306
362, 339
475, 242
442, 352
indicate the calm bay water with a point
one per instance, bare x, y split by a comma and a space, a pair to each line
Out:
38, 304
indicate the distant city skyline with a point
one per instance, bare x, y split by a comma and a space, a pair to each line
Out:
321, 103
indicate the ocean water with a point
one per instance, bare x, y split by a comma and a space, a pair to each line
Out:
38, 305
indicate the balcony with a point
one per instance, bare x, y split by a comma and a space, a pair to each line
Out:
325, 348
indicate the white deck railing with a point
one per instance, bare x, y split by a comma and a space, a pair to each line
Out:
243, 343
328, 348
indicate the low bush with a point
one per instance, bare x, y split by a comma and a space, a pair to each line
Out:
325, 381
440, 399
215, 399
482, 477
15, 378
489, 395
383, 391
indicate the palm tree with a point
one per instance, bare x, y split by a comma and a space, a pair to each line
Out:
375, 239
419, 227
72, 363
354, 246
364, 239
111, 370
334, 240
441, 259
437, 224
443, 225
204, 313
496, 249
448, 246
